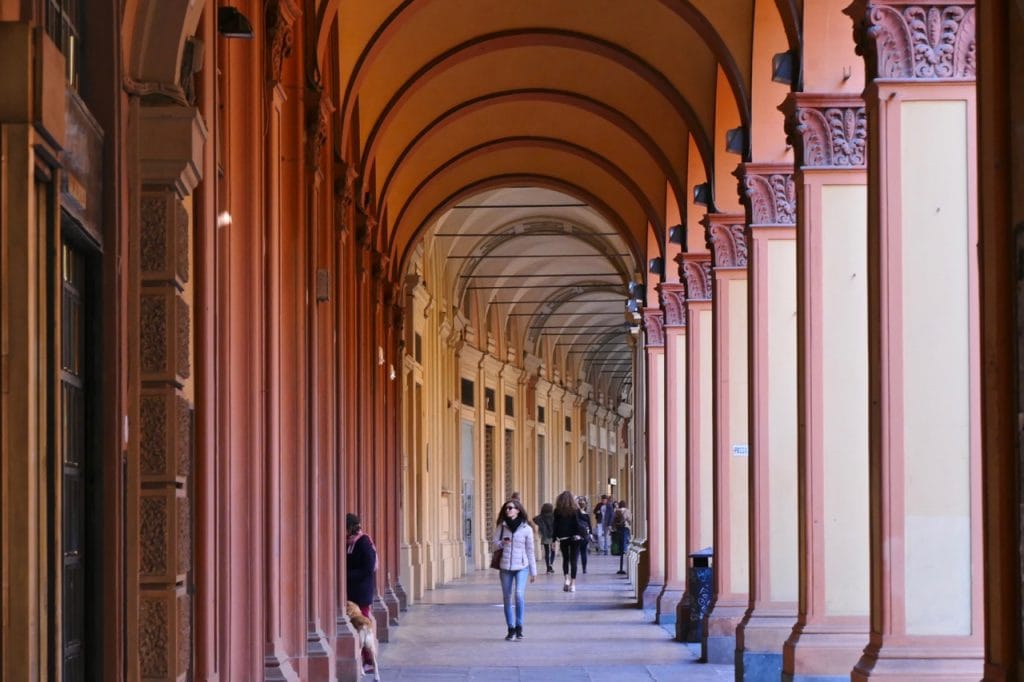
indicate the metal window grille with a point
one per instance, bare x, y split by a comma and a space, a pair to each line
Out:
62, 23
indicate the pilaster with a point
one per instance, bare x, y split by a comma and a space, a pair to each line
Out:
674, 314
695, 273
654, 329
728, 278
770, 200
923, 341
829, 133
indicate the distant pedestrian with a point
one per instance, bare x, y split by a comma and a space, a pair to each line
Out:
622, 521
568, 532
588, 531
546, 527
514, 537
361, 565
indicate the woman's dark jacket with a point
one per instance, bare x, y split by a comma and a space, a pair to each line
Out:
568, 525
362, 563
546, 526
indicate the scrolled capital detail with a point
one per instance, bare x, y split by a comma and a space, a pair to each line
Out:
696, 271
673, 303
769, 193
654, 325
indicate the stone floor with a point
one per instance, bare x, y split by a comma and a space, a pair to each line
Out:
457, 633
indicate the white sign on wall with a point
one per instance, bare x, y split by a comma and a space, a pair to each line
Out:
740, 450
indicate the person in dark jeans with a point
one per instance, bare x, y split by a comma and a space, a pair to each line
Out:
586, 528
361, 571
568, 533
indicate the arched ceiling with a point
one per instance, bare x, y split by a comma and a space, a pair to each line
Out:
532, 106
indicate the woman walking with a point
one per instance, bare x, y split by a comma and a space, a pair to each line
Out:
546, 525
584, 522
514, 537
568, 533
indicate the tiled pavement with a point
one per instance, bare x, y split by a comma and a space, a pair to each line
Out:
594, 634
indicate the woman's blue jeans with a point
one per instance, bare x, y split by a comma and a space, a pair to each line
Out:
514, 611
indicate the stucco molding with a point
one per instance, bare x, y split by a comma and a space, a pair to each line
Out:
927, 41
170, 152
696, 271
726, 238
828, 131
768, 192
673, 302
654, 325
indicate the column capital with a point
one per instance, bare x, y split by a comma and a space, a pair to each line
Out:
726, 237
171, 140
280, 18
768, 193
654, 323
673, 299
696, 271
827, 131
900, 40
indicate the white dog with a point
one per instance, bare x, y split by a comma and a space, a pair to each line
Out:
366, 630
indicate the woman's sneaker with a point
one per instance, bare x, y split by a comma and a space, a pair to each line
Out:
511, 635
519, 632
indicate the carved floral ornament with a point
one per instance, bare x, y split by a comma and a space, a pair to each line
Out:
927, 41
727, 241
654, 325
770, 194
673, 299
280, 19
697, 276
828, 132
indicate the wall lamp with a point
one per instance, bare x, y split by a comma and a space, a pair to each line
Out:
736, 140
784, 67
656, 266
702, 194
231, 23
677, 234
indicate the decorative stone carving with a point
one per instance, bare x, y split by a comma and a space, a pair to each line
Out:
726, 238
280, 19
317, 117
153, 535
154, 639
163, 247
768, 192
184, 603
184, 535
926, 41
696, 274
164, 336
655, 327
345, 193
673, 302
828, 132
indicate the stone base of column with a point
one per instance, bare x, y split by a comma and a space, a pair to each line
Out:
760, 637
403, 598
649, 598
348, 661
380, 613
668, 609
949, 663
391, 602
719, 643
823, 651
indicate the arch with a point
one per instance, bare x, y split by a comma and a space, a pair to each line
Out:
154, 38
505, 180
608, 113
605, 164
684, 9
540, 37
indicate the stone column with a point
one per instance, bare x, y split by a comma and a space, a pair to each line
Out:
923, 341
695, 273
654, 327
830, 136
769, 196
672, 301
168, 174
731, 558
